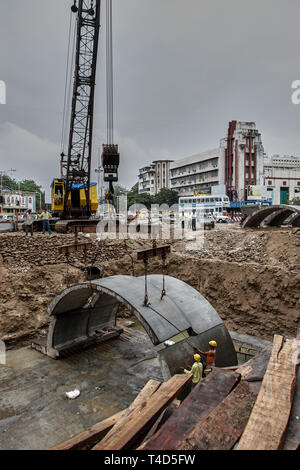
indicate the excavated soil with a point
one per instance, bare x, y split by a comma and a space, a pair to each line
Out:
251, 277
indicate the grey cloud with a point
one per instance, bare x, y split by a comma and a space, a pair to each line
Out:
182, 71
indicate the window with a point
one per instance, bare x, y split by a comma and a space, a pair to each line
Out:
270, 183
284, 183
30, 200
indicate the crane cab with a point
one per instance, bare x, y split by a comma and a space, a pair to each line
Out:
76, 203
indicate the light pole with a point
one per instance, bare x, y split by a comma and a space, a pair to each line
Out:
39, 192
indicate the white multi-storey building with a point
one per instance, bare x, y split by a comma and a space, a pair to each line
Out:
282, 178
17, 201
196, 173
237, 164
155, 177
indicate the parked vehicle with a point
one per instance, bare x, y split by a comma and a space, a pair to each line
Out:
209, 223
222, 219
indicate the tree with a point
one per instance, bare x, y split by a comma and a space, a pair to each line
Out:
133, 197
31, 186
166, 196
120, 190
295, 201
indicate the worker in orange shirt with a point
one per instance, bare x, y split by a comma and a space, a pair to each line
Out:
209, 355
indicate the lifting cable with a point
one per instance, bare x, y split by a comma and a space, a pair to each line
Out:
109, 74
66, 85
146, 299
172, 324
163, 292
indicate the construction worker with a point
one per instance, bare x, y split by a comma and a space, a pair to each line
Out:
46, 216
28, 222
182, 221
194, 219
196, 370
210, 355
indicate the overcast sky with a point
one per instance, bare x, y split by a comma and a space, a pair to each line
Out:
183, 69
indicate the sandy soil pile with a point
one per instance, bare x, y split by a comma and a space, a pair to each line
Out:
252, 278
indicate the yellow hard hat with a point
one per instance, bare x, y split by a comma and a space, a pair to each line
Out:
213, 343
197, 357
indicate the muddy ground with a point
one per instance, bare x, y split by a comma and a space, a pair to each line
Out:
251, 277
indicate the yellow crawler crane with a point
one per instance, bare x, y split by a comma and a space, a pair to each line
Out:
76, 198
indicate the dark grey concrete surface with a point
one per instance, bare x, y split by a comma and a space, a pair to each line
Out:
34, 411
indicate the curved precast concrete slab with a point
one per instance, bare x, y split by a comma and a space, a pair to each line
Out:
295, 220
280, 217
257, 218
87, 312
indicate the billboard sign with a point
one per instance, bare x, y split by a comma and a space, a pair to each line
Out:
257, 193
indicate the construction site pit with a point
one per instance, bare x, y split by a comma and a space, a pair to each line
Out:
251, 278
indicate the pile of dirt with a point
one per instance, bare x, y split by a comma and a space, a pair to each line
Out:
251, 278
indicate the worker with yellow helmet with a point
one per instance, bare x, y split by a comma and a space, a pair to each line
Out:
210, 355
196, 370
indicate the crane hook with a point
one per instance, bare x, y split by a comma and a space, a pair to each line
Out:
74, 7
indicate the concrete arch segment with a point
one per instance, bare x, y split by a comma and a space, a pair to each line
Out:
280, 217
257, 218
83, 312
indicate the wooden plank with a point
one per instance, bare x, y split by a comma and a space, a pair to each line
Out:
225, 424
292, 439
153, 252
160, 421
68, 249
209, 393
256, 367
94, 434
143, 417
268, 421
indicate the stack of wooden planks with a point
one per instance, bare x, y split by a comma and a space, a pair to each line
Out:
248, 407
267, 426
239, 410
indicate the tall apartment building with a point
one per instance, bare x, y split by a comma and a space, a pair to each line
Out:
241, 159
196, 173
282, 178
154, 177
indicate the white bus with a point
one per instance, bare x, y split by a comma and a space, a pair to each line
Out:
204, 205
